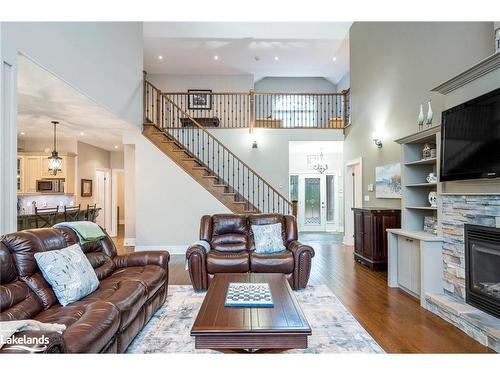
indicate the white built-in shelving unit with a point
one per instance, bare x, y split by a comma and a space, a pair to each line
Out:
415, 256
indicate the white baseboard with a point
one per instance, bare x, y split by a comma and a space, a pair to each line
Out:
348, 241
175, 249
129, 242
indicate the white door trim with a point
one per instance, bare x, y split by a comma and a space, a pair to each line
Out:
107, 197
8, 146
348, 193
113, 232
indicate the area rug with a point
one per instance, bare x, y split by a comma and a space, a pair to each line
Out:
334, 329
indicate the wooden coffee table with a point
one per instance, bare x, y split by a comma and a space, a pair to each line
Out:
283, 326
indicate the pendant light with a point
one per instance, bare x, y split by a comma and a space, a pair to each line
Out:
55, 162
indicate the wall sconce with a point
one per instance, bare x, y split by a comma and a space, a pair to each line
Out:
378, 142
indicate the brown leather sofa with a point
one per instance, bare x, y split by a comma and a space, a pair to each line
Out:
232, 250
131, 288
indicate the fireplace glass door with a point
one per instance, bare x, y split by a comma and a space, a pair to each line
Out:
482, 268
485, 269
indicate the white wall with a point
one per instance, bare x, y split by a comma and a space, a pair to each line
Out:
117, 160
169, 202
393, 67
271, 158
332, 155
344, 83
295, 84
101, 60
41, 145
216, 83
89, 159
130, 193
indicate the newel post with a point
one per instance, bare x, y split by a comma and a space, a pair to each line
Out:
345, 118
295, 204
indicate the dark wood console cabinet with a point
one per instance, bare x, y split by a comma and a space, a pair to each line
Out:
370, 235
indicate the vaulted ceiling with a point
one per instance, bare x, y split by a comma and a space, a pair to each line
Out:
262, 49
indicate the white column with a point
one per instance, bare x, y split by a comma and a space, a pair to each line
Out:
8, 139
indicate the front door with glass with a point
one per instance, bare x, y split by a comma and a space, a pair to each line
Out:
316, 195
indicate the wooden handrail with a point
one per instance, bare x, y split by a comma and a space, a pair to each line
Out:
227, 149
256, 93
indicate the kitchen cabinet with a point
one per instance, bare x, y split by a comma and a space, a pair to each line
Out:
32, 167
32, 172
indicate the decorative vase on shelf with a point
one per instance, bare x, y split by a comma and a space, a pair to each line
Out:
431, 178
421, 118
430, 114
433, 199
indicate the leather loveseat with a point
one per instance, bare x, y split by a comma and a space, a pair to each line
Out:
131, 288
232, 250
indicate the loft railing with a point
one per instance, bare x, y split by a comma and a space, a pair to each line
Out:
303, 110
225, 110
247, 185
265, 110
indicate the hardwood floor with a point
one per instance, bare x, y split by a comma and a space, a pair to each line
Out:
394, 319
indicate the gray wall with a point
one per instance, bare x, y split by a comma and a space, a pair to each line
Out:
393, 67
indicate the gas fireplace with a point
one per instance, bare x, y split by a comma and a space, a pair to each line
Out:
482, 268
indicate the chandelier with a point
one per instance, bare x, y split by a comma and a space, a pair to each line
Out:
55, 162
320, 166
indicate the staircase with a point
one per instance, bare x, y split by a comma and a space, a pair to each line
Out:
207, 160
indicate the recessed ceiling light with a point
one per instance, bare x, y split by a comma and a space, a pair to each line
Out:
116, 146
276, 58
82, 133
334, 59
160, 57
216, 57
22, 133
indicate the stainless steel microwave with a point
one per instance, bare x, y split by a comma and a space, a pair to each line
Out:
52, 185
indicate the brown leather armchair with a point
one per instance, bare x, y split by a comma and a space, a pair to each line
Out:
232, 250
131, 288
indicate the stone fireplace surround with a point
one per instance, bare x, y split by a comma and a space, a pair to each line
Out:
458, 210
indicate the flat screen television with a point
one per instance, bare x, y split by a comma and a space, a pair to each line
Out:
470, 139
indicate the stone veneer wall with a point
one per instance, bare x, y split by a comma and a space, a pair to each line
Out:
458, 210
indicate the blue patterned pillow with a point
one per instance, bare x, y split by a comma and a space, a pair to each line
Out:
69, 272
268, 238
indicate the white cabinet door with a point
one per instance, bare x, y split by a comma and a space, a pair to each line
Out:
409, 264
32, 167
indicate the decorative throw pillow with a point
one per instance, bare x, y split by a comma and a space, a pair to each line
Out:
69, 272
268, 238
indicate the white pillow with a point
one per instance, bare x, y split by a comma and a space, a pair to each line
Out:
268, 238
69, 273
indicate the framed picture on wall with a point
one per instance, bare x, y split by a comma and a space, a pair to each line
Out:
388, 181
86, 188
200, 99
